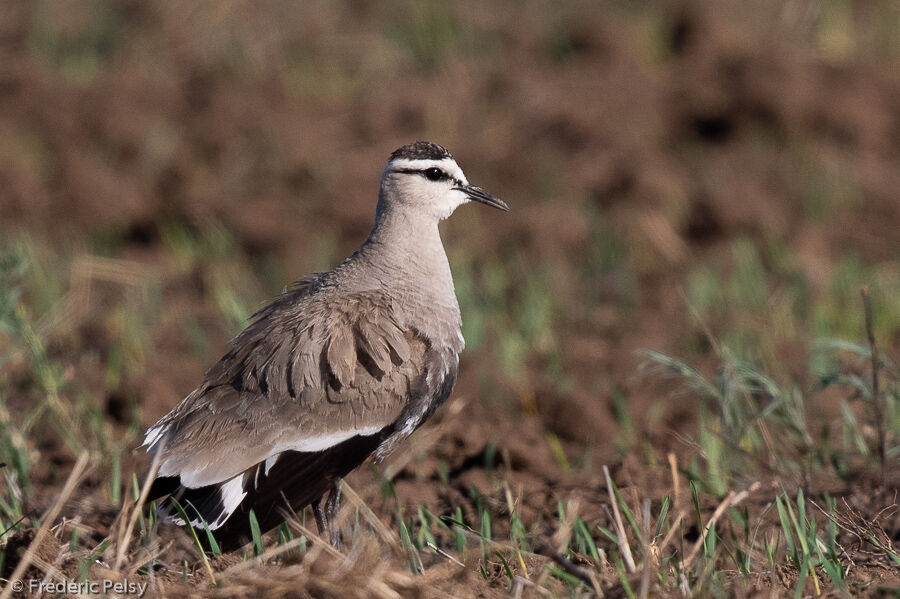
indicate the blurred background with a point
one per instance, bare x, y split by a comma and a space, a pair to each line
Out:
712, 181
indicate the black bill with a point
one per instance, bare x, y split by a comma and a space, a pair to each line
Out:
479, 195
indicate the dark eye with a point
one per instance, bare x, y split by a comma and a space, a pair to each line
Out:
434, 174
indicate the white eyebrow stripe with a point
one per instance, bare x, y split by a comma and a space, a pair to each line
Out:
448, 165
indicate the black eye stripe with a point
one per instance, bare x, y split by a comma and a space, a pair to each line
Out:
431, 173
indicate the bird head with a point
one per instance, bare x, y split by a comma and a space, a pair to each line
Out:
424, 176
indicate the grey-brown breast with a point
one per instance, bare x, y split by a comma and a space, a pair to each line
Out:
317, 366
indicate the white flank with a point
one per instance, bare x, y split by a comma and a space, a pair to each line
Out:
323, 443
200, 478
232, 490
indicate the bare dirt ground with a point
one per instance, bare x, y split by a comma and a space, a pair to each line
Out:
170, 166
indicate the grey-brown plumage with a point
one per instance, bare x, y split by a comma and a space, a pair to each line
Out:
346, 364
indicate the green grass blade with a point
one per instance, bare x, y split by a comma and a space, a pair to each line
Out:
623, 578
798, 527
181, 512
627, 513
460, 534
663, 514
255, 534
786, 531
801, 579
609, 534
116, 491
584, 534
506, 567
213, 544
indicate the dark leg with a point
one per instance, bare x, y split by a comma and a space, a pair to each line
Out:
327, 514
321, 519
332, 506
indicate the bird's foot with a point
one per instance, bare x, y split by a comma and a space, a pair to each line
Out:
326, 515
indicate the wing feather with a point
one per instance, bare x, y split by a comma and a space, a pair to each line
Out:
375, 346
394, 337
341, 355
268, 393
